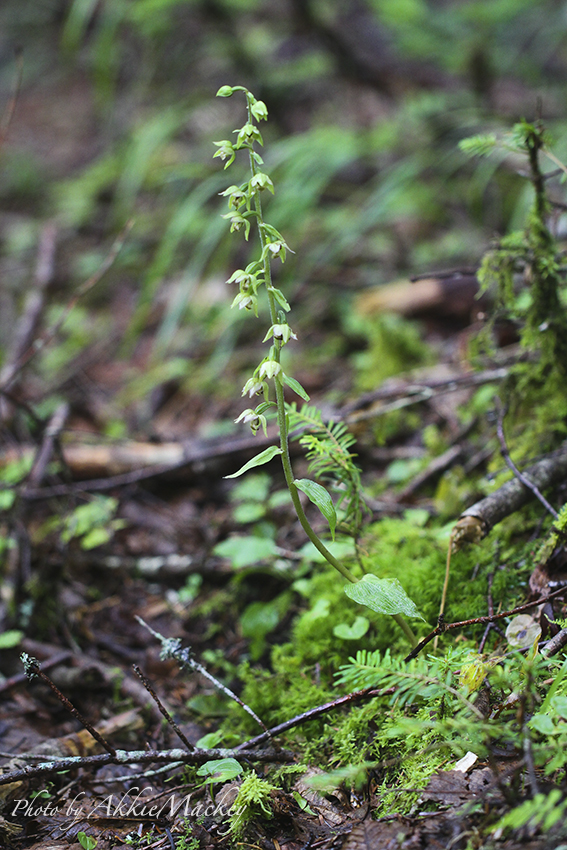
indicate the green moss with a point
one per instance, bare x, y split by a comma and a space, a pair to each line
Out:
253, 801
394, 345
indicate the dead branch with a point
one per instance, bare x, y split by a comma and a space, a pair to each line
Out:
163, 710
171, 648
32, 668
511, 465
196, 757
312, 713
50, 440
130, 462
28, 323
129, 687
8, 114
395, 395
436, 467
476, 522
50, 333
448, 627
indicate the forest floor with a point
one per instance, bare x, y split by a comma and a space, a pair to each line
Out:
79, 587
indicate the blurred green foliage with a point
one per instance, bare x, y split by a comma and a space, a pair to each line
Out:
369, 100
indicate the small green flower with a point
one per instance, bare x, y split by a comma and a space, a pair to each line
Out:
236, 195
269, 369
225, 151
246, 301
225, 91
277, 248
259, 110
254, 387
237, 222
247, 135
256, 420
282, 332
262, 181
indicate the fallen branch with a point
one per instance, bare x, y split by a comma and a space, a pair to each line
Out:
476, 522
511, 465
491, 618
312, 713
196, 757
28, 323
50, 333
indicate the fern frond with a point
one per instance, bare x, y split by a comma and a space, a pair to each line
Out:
418, 681
327, 447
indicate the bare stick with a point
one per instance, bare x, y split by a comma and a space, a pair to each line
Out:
45, 451
555, 643
312, 713
11, 106
196, 757
7, 684
447, 627
32, 668
490, 626
48, 336
27, 324
148, 686
171, 648
476, 521
510, 463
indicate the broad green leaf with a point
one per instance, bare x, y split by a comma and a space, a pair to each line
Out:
96, 537
249, 512
320, 497
259, 460
220, 770
10, 639
296, 387
384, 595
245, 551
210, 740
281, 299
87, 842
354, 632
319, 611
7, 499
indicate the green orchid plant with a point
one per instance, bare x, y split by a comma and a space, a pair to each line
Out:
269, 378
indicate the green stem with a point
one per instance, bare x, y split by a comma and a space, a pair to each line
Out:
283, 425
282, 419
289, 478
404, 626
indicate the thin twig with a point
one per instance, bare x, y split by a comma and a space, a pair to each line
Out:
32, 668
148, 686
510, 463
196, 757
555, 643
28, 322
11, 106
447, 627
312, 713
45, 451
171, 648
47, 337
490, 626
7, 684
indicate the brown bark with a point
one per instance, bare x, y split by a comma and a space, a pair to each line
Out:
476, 522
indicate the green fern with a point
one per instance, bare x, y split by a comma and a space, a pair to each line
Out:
327, 447
421, 680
